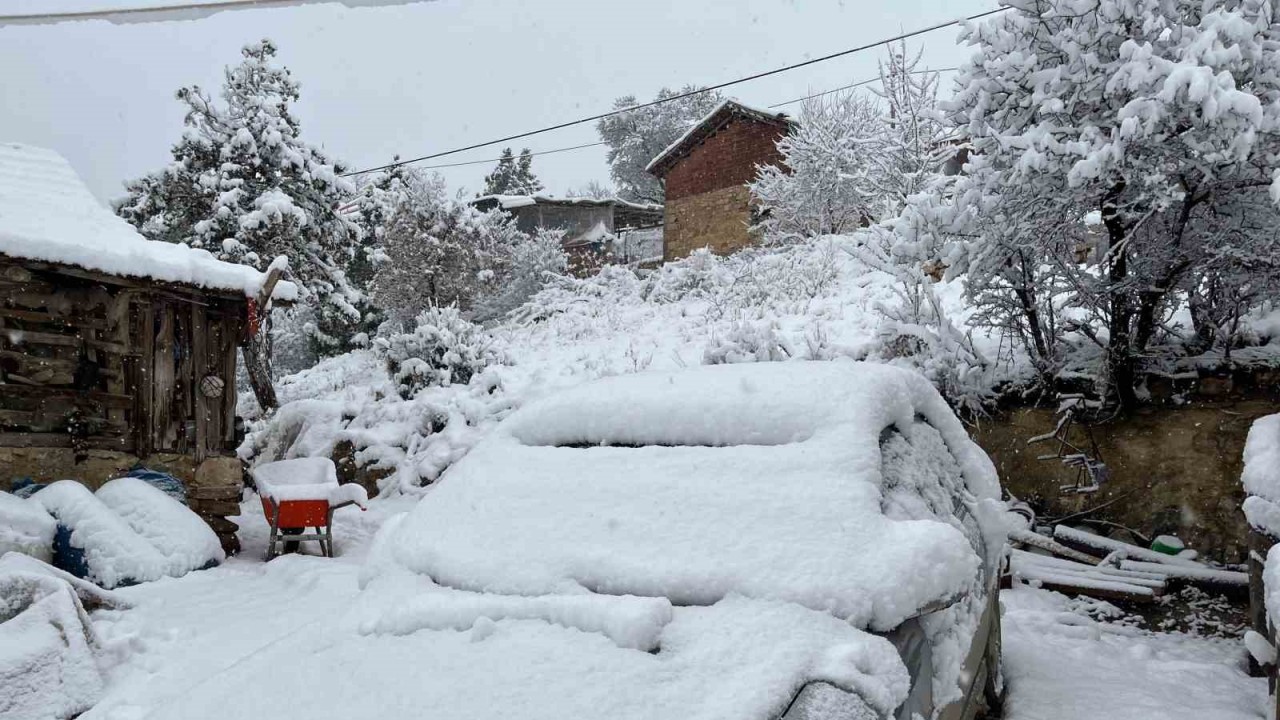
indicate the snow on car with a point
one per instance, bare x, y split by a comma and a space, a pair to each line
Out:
745, 541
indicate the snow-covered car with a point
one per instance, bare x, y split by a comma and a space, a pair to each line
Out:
776, 540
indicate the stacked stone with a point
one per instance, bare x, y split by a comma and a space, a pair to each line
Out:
214, 495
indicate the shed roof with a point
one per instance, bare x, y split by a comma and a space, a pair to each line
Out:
725, 113
47, 214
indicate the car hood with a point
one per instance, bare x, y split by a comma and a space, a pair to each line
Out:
581, 655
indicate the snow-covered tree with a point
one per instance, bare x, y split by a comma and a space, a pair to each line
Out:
437, 252
1160, 116
636, 137
245, 186
533, 261
593, 189
829, 180
513, 175
916, 140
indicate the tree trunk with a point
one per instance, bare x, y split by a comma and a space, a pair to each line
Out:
257, 361
1121, 362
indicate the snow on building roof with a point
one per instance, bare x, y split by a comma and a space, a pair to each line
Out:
511, 202
713, 120
47, 214
759, 479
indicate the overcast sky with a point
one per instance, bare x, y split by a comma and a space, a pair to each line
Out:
422, 78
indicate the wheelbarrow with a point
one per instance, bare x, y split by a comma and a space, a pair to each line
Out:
301, 494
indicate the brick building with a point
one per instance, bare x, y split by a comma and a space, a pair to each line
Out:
706, 173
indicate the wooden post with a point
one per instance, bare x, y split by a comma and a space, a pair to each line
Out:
257, 348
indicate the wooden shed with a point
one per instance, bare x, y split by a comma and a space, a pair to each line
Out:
115, 351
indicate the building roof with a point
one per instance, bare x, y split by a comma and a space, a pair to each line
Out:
726, 112
511, 202
47, 214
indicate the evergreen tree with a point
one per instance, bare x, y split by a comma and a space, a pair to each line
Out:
244, 186
512, 176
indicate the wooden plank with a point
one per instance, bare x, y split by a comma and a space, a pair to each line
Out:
32, 337
144, 420
103, 398
1092, 544
1026, 537
199, 368
62, 440
231, 329
165, 433
78, 321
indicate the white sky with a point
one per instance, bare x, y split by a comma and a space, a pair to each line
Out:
422, 78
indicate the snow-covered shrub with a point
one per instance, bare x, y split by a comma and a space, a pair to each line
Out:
699, 275
828, 180
748, 342
535, 260
443, 349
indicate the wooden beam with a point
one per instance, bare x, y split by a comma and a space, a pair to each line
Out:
44, 391
62, 440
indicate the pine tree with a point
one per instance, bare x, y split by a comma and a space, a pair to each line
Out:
512, 176
246, 187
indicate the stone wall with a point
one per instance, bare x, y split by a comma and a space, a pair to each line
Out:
720, 220
1173, 469
213, 488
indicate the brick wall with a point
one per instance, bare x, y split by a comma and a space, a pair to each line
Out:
708, 204
727, 158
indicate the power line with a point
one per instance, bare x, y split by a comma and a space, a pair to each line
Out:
681, 96
860, 83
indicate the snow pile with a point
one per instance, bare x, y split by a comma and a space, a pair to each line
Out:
308, 478
1063, 661
186, 541
25, 527
46, 213
113, 552
734, 458
48, 649
1261, 475
404, 603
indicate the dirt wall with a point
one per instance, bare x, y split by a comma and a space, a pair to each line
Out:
1172, 469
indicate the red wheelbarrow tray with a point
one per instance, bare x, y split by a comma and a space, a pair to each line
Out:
302, 493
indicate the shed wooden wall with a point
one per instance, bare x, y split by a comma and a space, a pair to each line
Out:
125, 357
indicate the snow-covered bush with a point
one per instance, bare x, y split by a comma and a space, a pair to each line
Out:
748, 342
442, 349
828, 182
535, 260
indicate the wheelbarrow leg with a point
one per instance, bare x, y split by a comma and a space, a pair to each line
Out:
275, 532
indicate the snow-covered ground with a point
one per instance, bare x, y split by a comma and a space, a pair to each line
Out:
1064, 661
256, 639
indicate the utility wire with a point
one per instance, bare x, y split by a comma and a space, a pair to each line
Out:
860, 83
598, 144
681, 96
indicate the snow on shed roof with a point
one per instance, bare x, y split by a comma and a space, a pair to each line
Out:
757, 479
713, 121
47, 214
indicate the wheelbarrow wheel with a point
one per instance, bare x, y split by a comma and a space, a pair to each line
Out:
291, 547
